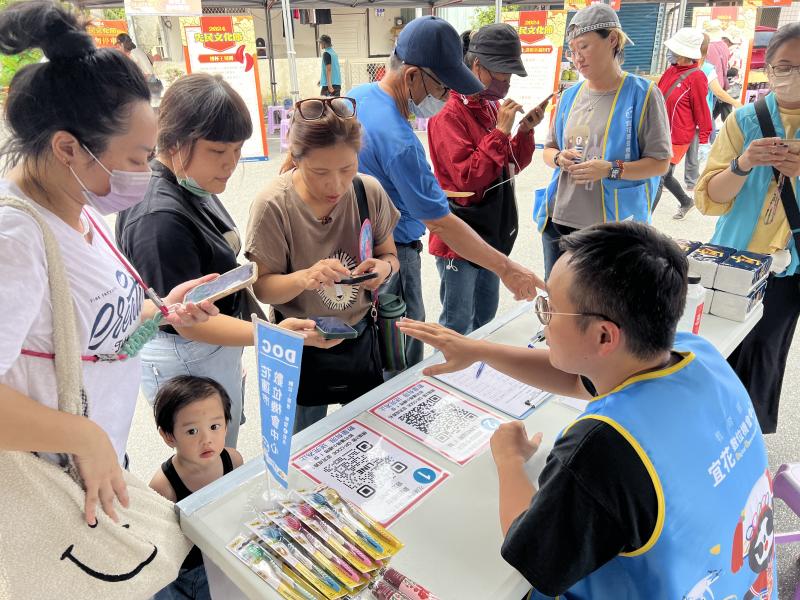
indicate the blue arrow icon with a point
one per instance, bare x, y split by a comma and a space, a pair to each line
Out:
424, 475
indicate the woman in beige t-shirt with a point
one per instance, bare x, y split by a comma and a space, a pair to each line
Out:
306, 234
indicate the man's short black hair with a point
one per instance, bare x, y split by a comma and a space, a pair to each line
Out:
181, 391
325, 39
635, 276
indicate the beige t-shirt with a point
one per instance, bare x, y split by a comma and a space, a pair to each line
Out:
284, 236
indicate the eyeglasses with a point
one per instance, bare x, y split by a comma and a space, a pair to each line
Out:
784, 70
445, 89
312, 109
541, 306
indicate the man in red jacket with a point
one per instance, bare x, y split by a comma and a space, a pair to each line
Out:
685, 88
474, 159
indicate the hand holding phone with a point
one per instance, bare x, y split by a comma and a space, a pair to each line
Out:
536, 114
356, 279
333, 328
224, 285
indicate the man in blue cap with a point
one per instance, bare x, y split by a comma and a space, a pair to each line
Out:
426, 64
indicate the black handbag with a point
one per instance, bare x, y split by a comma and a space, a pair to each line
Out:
495, 217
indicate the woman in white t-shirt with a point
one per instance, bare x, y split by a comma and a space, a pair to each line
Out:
80, 131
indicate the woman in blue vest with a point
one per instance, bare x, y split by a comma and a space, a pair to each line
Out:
609, 143
741, 183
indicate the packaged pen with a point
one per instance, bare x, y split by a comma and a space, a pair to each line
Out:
273, 537
335, 540
411, 589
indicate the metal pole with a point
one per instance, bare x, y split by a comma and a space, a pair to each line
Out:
498, 11
290, 52
273, 85
681, 14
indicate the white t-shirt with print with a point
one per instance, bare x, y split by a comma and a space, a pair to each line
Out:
108, 304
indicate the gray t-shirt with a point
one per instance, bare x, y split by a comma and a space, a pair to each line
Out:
581, 205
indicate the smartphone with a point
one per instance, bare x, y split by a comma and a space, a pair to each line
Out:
224, 285
333, 328
354, 279
543, 103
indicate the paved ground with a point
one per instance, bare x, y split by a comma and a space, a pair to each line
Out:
147, 450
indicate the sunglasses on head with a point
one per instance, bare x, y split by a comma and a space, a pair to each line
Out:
312, 109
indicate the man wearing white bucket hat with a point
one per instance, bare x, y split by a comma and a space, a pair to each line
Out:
685, 88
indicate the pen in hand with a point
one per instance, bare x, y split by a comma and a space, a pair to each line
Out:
480, 369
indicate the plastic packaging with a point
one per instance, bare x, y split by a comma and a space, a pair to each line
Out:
693, 312
383, 591
410, 589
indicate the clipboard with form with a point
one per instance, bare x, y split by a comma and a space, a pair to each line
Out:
496, 389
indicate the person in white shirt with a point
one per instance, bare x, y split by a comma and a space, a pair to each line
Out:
80, 132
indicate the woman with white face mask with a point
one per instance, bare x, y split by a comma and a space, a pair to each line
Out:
746, 176
474, 152
80, 132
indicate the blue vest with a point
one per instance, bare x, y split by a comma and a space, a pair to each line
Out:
621, 199
694, 427
336, 75
735, 228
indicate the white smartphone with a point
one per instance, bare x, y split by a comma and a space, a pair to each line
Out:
224, 285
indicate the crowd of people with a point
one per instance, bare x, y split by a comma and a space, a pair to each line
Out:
355, 195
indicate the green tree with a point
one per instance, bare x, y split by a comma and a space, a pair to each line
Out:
485, 15
114, 14
11, 64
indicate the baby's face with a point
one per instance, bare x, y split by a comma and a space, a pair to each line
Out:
200, 429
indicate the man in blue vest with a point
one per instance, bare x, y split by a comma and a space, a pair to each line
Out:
330, 79
660, 489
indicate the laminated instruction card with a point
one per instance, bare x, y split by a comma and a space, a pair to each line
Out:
454, 427
496, 389
370, 470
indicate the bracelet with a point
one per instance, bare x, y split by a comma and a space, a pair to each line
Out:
555, 158
391, 270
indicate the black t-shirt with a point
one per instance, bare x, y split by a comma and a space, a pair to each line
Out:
595, 500
173, 236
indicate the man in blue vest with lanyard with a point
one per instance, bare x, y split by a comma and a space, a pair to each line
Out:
330, 79
661, 488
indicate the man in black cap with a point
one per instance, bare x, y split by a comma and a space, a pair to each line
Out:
426, 64
474, 153
330, 79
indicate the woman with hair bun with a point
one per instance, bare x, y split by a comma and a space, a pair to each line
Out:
80, 132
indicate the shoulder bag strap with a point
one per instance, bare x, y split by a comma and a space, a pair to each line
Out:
679, 81
69, 372
787, 195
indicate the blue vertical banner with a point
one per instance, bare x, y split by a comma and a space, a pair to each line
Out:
278, 355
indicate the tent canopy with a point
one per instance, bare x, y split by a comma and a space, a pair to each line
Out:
314, 3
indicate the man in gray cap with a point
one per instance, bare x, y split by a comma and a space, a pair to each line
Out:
426, 64
474, 154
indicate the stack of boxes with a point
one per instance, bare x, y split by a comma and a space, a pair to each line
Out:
735, 280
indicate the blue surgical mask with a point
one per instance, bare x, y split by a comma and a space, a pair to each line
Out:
671, 58
190, 183
427, 108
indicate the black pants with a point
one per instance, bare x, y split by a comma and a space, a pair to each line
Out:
760, 360
722, 110
551, 239
337, 91
674, 186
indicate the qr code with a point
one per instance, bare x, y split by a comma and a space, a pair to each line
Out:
437, 420
364, 473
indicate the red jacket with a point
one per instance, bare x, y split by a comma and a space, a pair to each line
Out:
468, 152
687, 106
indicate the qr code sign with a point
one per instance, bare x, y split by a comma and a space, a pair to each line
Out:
438, 419
364, 472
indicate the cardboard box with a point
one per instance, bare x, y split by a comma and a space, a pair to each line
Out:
705, 260
735, 307
741, 272
707, 302
687, 246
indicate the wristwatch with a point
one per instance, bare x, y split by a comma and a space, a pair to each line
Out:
617, 168
736, 170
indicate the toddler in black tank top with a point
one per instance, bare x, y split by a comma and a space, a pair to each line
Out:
192, 415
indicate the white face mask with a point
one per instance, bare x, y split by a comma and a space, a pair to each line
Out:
128, 188
427, 108
787, 88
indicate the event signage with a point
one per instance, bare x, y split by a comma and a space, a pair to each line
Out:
279, 353
226, 45
542, 35
104, 33
166, 8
